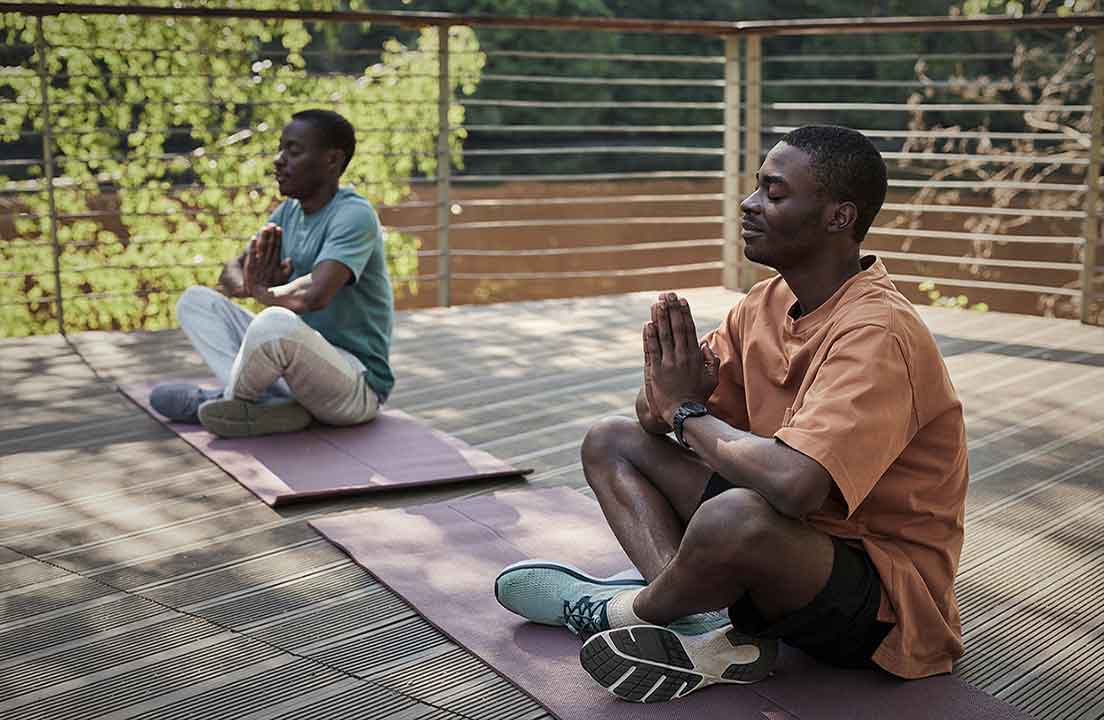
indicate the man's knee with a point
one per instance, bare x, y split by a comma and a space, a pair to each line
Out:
194, 300
273, 323
606, 440
733, 530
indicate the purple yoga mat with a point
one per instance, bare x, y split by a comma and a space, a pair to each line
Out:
443, 559
393, 451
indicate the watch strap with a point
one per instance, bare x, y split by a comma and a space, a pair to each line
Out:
686, 410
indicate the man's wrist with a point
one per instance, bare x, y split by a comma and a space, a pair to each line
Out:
686, 410
669, 413
261, 294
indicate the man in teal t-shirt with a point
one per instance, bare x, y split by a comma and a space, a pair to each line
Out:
320, 348
359, 317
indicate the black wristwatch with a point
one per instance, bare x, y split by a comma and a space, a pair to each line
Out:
688, 409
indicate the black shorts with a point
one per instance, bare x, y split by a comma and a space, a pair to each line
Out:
840, 626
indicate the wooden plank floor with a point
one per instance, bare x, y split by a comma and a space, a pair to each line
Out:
139, 581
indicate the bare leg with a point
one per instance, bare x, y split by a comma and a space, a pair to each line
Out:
735, 543
698, 559
648, 488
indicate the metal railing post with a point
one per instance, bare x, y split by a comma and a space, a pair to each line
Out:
753, 121
1092, 184
444, 165
733, 250
48, 163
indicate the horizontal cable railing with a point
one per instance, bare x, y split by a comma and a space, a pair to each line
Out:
576, 274
136, 168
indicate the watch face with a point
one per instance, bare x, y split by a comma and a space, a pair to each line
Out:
695, 408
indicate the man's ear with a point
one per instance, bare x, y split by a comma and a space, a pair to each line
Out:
336, 159
843, 217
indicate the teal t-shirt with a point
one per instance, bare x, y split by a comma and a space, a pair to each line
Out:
361, 314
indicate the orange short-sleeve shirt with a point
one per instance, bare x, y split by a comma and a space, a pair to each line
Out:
859, 386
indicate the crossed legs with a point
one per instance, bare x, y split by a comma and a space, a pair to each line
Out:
703, 545
698, 556
276, 353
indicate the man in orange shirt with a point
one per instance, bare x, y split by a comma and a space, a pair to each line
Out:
817, 486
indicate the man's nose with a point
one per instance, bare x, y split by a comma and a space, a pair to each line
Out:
751, 203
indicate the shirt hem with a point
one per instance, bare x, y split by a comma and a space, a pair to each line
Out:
910, 668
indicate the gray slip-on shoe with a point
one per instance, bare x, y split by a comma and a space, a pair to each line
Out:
179, 402
241, 418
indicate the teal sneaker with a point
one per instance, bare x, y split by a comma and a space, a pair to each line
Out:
648, 663
553, 593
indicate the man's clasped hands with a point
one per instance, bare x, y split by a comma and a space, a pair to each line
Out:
677, 368
262, 267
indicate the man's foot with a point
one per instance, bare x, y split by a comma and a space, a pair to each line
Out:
695, 624
241, 418
180, 402
701, 623
648, 663
553, 593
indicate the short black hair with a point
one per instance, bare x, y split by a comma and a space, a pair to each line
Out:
847, 167
337, 132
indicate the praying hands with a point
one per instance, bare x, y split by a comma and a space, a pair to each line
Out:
677, 368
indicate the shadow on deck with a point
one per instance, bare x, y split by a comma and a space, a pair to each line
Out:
138, 580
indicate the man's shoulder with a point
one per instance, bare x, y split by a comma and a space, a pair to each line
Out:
348, 200
919, 350
876, 306
353, 212
891, 313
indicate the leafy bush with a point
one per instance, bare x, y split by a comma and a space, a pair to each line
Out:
164, 131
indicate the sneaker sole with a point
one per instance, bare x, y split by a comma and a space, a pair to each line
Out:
623, 578
240, 419
647, 663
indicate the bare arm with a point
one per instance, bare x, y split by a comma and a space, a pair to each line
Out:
309, 293
793, 483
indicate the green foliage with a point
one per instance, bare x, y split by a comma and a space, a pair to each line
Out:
164, 131
1017, 8
954, 302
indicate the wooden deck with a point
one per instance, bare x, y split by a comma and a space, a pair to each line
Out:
137, 580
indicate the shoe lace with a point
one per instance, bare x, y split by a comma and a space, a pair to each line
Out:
586, 616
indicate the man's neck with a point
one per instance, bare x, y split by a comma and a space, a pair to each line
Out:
814, 283
316, 201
